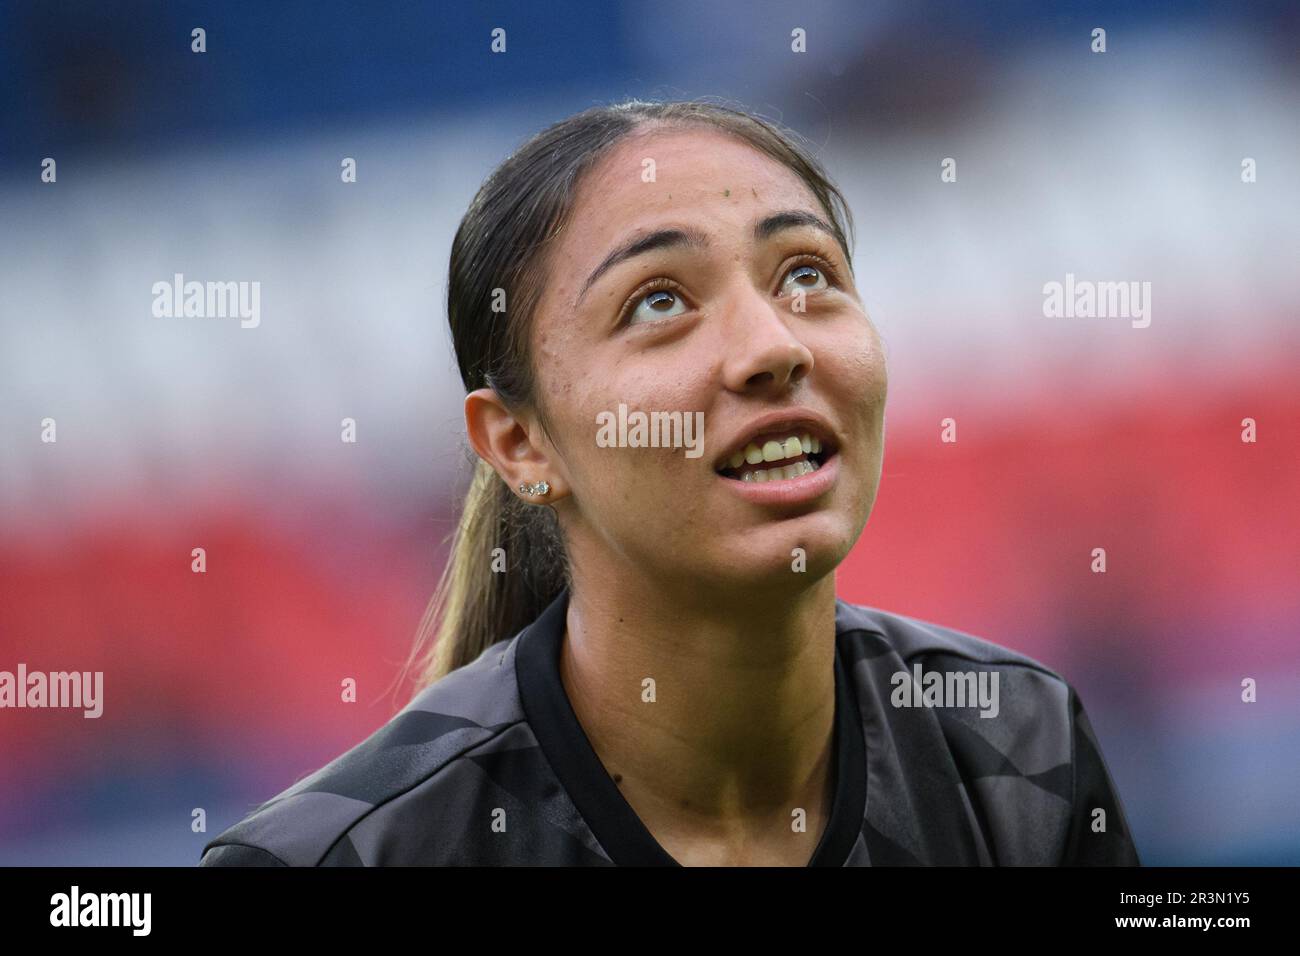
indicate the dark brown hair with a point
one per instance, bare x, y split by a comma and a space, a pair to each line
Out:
501, 249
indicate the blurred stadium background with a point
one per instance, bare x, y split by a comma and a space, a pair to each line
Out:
222, 689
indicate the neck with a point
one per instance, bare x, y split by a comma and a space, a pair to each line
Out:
736, 729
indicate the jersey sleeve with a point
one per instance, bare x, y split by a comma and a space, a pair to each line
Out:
239, 854
1087, 844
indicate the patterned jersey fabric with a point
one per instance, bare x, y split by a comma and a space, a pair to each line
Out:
490, 766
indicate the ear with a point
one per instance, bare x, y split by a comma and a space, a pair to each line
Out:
515, 447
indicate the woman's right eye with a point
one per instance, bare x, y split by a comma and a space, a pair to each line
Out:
656, 304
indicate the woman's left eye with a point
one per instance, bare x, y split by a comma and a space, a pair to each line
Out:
805, 271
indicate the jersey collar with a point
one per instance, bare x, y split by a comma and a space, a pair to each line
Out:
611, 818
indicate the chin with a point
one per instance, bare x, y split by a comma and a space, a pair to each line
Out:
766, 560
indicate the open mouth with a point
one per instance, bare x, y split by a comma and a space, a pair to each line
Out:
776, 457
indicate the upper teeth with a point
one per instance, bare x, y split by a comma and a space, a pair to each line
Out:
776, 450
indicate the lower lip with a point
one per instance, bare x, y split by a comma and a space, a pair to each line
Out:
788, 491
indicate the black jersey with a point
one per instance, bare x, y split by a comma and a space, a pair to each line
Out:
490, 766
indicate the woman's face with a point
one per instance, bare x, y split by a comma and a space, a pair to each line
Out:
724, 333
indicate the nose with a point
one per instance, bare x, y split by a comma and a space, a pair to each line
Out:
760, 350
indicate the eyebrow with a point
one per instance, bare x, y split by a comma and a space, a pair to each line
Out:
764, 229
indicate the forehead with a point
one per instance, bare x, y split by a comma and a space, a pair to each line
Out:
690, 162
664, 177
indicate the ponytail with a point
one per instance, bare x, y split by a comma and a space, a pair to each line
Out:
484, 595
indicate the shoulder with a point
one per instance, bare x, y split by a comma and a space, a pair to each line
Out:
872, 628
1000, 713
894, 644
964, 715
454, 719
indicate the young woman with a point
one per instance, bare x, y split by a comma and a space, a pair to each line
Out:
636, 654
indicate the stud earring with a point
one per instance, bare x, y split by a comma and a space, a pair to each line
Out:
539, 489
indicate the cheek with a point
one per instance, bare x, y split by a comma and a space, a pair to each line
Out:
607, 475
643, 484
855, 371
664, 382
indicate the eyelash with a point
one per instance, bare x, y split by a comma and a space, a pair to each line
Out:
665, 284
